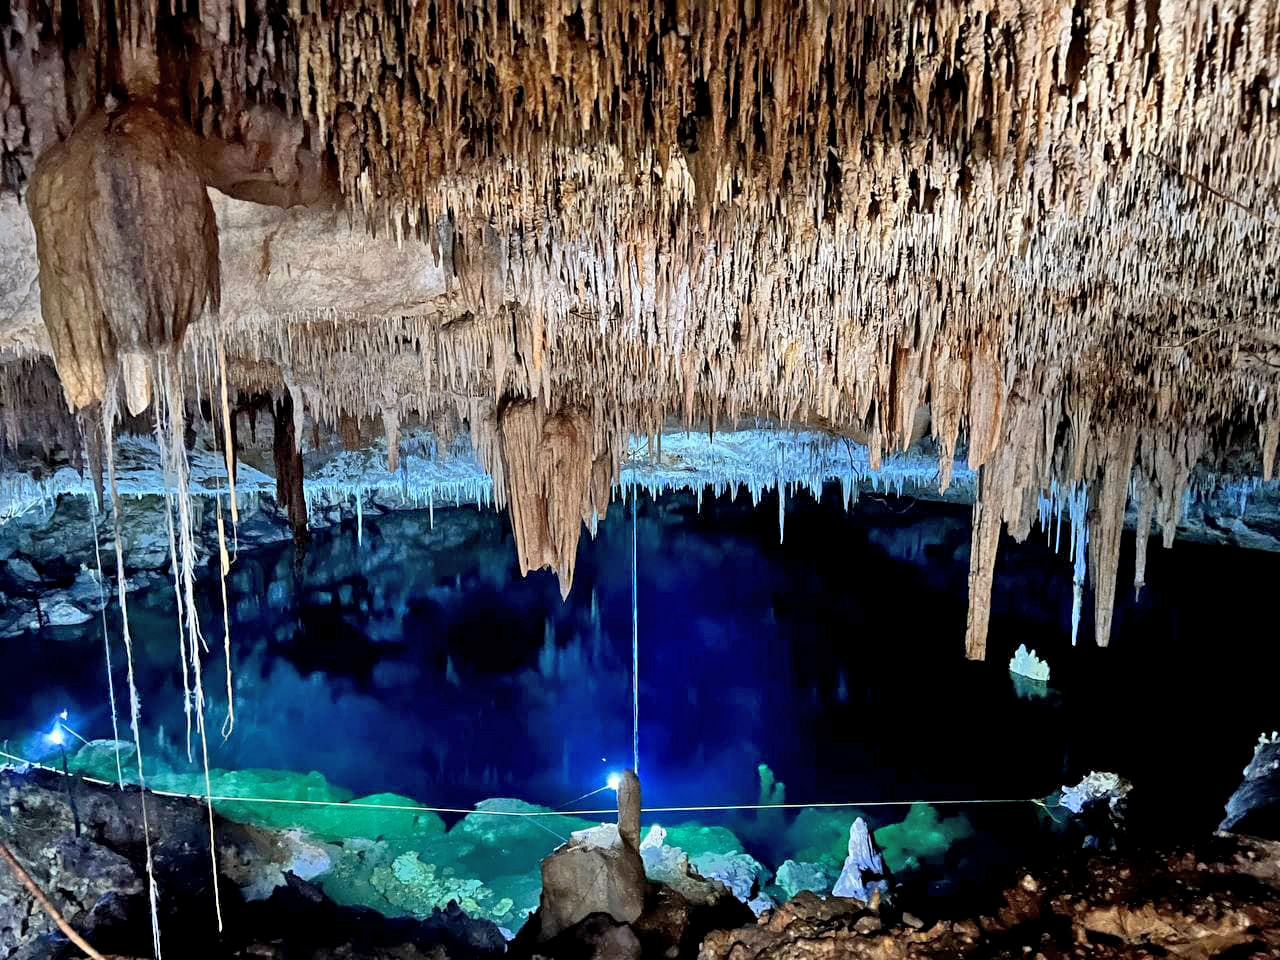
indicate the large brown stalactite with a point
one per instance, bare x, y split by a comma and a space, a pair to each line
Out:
1106, 524
556, 480
287, 453
128, 248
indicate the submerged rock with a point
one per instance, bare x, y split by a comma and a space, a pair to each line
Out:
794, 878
670, 867
742, 874
863, 873
923, 835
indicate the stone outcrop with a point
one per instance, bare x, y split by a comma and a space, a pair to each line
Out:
1255, 806
596, 872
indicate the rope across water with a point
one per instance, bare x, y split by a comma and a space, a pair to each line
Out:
465, 811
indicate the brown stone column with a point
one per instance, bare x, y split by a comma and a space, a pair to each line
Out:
288, 460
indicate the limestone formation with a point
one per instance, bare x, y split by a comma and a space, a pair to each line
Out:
1043, 234
863, 874
128, 249
595, 872
629, 809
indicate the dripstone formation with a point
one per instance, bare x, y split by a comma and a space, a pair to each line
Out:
1041, 234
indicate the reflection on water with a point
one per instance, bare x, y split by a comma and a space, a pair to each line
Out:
420, 662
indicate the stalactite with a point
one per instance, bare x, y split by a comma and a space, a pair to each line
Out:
550, 465
288, 463
128, 248
987, 524
1106, 524
1142, 531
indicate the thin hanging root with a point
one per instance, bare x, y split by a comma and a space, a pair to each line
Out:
162, 445
224, 566
46, 904
177, 469
228, 447
135, 705
106, 642
106, 633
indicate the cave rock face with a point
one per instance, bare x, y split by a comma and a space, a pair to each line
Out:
128, 247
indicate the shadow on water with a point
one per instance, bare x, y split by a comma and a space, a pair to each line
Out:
420, 662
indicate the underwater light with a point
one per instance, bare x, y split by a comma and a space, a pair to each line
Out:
614, 781
56, 736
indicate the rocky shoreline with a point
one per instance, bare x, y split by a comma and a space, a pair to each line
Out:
1216, 897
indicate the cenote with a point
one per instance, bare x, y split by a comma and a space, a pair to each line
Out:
405, 654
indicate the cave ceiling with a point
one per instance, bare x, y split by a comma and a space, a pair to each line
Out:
1042, 233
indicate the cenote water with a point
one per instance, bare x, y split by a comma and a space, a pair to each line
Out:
410, 657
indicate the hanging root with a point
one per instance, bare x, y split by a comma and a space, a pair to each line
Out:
227, 441
224, 566
102, 604
162, 444
224, 563
135, 705
177, 469
46, 904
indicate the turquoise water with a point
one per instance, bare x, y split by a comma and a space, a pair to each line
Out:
414, 661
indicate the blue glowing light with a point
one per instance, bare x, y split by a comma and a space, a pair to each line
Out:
614, 781
56, 736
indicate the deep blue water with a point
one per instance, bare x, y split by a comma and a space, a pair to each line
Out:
422, 663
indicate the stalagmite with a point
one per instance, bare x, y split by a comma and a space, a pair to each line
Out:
629, 803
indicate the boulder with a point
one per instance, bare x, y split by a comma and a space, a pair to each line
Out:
64, 613
81, 873
1255, 806
595, 872
19, 568
673, 926
597, 937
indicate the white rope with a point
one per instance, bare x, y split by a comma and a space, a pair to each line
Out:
176, 465
106, 643
469, 811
